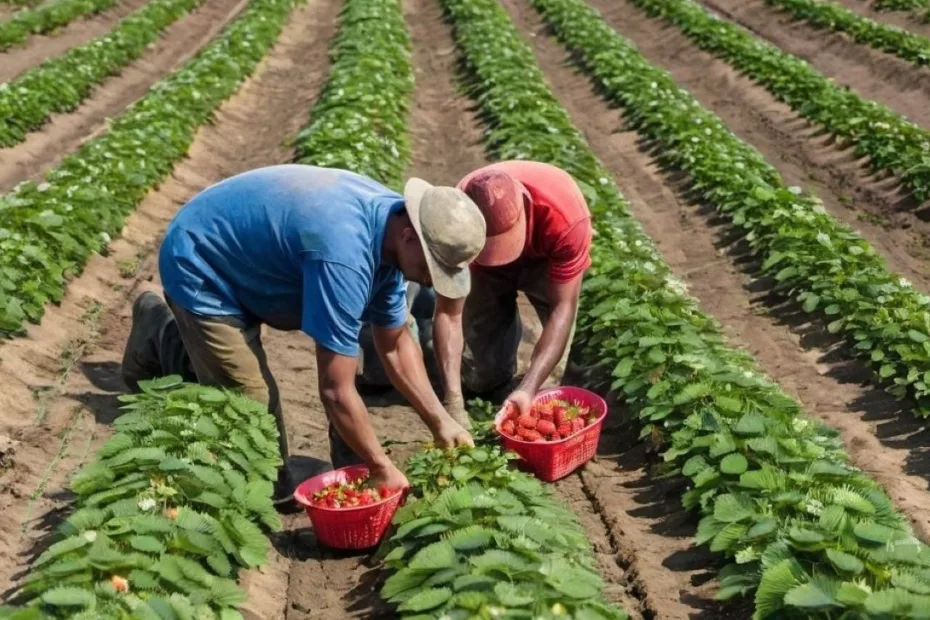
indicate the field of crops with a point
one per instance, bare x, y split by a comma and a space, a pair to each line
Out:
757, 313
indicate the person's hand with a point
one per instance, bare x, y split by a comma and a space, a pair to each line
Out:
450, 433
455, 405
387, 478
521, 400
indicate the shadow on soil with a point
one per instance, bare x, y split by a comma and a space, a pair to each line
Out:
657, 501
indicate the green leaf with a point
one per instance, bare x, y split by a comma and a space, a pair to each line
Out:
426, 599
434, 557
809, 596
68, 596
734, 464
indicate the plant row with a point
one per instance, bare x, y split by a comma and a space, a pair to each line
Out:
478, 539
807, 532
172, 508
360, 121
46, 18
61, 84
51, 228
891, 143
832, 16
823, 264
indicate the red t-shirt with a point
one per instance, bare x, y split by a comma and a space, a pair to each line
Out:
557, 219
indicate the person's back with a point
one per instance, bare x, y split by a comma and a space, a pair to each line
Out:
244, 247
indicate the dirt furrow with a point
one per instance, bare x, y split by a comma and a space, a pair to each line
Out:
39, 48
871, 73
64, 133
248, 132
889, 445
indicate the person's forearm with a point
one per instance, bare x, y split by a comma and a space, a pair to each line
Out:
449, 343
404, 367
550, 348
348, 413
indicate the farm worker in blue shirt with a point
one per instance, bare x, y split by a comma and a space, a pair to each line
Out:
315, 249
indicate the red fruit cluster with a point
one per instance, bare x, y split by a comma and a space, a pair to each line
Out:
347, 494
550, 421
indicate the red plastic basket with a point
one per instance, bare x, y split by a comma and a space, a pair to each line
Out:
347, 528
553, 460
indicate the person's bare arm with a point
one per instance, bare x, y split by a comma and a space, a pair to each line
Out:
403, 362
347, 412
563, 297
449, 343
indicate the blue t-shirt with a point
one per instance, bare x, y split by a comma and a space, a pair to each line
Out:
296, 247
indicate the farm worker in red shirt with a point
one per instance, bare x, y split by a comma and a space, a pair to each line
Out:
538, 242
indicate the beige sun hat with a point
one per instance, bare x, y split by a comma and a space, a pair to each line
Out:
452, 231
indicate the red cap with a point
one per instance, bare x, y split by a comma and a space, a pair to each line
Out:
500, 198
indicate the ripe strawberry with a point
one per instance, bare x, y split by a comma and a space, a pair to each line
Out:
577, 424
529, 434
527, 421
365, 499
560, 416
508, 428
121, 584
545, 427
564, 429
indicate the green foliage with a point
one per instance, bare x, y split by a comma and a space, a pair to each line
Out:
360, 120
46, 18
51, 228
60, 84
493, 543
160, 536
775, 515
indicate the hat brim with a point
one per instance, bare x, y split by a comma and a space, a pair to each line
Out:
506, 247
451, 283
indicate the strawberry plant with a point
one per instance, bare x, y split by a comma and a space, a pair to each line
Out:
805, 531
892, 144
170, 511
50, 228
480, 540
360, 120
832, 16
46, 18
822, 264
60, 84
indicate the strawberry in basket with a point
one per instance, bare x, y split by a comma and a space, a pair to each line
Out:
552, 420
347, 494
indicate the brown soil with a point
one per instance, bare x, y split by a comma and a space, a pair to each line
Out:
39, 48
886, 446
45, 147
59, 384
